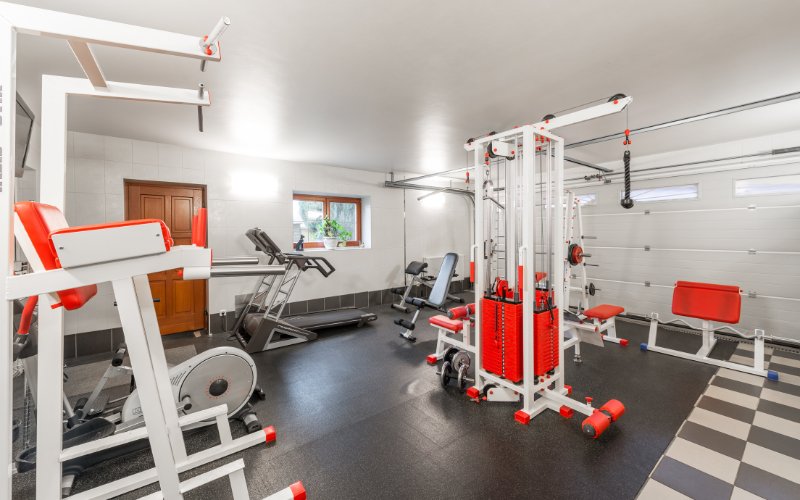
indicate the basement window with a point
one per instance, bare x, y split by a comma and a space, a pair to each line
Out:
668, 193
587, 200
765, 186
309, 210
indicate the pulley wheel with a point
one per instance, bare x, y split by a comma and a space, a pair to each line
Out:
445, 377
575, 254
460, 359
462, 378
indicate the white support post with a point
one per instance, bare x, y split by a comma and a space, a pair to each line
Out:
49, 404
559, 249
651, 336
480, 277
584, 294
8, 76
54, 144
528, 264
89, 64
758, 350
147, 381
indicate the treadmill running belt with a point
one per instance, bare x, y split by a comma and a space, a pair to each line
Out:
328, 319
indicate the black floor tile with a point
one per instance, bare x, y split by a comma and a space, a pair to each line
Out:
735, 385
713, 440
300, 307
348, 300
775, 365
777, 385
375, 298
776, 442
69, 346
728, 409
691, 482
93, 343
779, 410
786, 354
332, 303
762, 483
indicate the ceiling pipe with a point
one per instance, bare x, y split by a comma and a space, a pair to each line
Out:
683, 121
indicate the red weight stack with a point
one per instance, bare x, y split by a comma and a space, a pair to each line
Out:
545, 342
492, 342
512, 342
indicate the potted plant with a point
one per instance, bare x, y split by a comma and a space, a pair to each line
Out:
332, 233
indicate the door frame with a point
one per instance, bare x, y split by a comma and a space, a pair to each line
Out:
137, 182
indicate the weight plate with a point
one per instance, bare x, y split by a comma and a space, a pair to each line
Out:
449, 353
462, 378
591, 289
460, 359
445, 378
575, 254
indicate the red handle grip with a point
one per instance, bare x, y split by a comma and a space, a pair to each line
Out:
27, 315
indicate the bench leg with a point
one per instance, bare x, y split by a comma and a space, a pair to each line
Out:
610, 333
758, 354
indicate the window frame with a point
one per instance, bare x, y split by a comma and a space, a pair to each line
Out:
326, 210
696, 198
784, 193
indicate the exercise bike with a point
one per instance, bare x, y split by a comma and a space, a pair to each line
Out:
219, 375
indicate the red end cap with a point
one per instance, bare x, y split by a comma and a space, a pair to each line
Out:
623, 342
615, 408
270, 433
431, 359
298, 492
595, 425
627, 132
568, 388
616, 102
522, 417
473, 392
565, 411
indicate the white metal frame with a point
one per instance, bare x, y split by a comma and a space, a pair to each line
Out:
128, 276
709, 341
553, 147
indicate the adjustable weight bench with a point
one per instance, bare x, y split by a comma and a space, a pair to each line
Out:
437, 297
457, 321
709, 302
416, 270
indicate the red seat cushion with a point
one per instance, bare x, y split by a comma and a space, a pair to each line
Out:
604, 311
39, 221
707, 301
445, 322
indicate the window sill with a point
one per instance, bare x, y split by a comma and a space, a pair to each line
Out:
338, 249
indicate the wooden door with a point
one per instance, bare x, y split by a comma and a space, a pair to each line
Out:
183, 303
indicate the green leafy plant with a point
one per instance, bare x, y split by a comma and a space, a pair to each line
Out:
332, 229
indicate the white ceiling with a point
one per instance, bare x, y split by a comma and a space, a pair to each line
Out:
401, 85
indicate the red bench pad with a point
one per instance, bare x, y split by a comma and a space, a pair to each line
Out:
604, 311
445, 322
39, 221
707, 301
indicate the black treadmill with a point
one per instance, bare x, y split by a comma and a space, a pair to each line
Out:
262, 326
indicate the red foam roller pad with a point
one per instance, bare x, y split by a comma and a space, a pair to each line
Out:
615, 408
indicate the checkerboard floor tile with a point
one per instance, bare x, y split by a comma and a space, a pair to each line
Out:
741, 441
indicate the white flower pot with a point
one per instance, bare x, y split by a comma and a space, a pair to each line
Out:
330, 242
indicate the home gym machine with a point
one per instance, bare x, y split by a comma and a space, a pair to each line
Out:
519, 319
68, 263
417, 272
436, 299
262, 328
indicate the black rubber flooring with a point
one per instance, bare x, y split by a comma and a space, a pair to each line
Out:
360, 415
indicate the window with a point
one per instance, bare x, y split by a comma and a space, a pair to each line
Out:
779, 184
309, 210
589, 199
670, 193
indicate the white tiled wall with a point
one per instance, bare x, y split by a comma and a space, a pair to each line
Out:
97, 165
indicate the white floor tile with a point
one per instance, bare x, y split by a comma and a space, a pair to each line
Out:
751, 348
780, 397
741, 377
776, 424
703, 459
789, 379
653, 490
741, 360
740, 494
734, 397
721, 423
772, 462
785, 361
